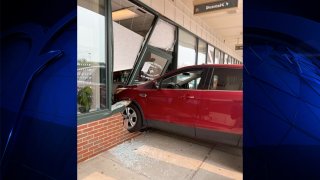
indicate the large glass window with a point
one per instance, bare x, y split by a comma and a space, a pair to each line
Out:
202, 52
210, 55
131, 25
227, 79
91, 69
229, 60
221, 57
225, 58
216, 56
187, 49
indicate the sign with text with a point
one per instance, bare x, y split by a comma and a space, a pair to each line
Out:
239, 47
217, 5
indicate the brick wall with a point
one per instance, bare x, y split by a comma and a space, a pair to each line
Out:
98, 136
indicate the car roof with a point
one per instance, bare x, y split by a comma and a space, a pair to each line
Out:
231, 66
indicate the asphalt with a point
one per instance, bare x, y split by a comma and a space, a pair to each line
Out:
159, 155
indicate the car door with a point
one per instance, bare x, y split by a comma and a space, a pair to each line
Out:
220, 108
174, 105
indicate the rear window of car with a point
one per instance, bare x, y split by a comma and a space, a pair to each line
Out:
226, 79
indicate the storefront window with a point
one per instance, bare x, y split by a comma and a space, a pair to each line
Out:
221, 57
202, 52
210, 57
131, 25
186, 49
91, 70
225, 58
216, 56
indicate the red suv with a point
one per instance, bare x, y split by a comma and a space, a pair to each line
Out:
202, 101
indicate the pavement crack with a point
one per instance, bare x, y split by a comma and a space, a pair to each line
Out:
204, 159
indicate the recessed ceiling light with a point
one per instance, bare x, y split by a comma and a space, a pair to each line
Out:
123, 14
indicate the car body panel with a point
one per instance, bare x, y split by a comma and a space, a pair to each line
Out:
221, 111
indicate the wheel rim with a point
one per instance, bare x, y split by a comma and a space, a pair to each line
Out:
131, 116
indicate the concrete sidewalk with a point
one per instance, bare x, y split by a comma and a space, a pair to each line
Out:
159, 155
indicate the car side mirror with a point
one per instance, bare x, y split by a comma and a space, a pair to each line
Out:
157, 84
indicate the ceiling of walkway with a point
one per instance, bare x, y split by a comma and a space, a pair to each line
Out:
228, 23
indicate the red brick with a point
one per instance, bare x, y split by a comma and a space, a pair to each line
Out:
87, 129
98, 150
98, 142
102, 122
82, 143
104, 144
79, 149
93, 124
88, 137
99, 133
87, 145
79, 136
101, 127
83, 151
82, 159
87, 154
93, 148
113, 128
83, 126
98, 126
92, 132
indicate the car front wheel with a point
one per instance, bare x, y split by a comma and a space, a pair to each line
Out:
132, 117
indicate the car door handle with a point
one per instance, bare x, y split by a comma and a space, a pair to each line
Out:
187, 97
143, 95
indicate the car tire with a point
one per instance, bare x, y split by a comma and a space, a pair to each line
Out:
133, 117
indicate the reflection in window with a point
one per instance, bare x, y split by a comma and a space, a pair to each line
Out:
202, 52
221, 57
186, 49
131, 25
229, 60
225, 58
210, 57
216, 56
91, 76
214, 83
